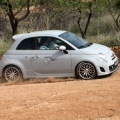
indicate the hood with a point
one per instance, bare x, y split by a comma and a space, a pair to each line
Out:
95, 49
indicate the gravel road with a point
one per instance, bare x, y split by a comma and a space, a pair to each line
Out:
61, 99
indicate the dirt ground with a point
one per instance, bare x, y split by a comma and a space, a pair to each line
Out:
61, 99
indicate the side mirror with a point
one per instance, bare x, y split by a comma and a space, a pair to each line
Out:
62, 48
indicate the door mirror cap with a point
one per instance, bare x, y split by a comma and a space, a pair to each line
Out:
62, 48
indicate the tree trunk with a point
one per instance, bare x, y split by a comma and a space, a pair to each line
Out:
13, 20
14, 24
83, 33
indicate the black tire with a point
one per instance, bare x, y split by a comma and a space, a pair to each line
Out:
86, 70
12, 74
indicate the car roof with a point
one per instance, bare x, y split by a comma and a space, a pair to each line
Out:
37, 33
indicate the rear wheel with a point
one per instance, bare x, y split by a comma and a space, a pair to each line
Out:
86, 70
12, 74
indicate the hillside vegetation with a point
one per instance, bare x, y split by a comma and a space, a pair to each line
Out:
96, 20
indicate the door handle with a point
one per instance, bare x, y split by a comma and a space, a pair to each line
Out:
36, 57
53, 59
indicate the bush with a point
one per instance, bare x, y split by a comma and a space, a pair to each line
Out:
100, 25
4, 45
108, 40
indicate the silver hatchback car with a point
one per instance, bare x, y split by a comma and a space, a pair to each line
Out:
55, 53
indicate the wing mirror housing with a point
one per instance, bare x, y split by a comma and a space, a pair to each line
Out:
63, 48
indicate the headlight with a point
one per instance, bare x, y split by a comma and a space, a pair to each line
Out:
102, 56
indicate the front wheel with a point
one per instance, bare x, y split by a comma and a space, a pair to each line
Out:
86, 70
12, 74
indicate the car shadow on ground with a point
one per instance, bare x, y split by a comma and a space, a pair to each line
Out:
105, 76
49, 80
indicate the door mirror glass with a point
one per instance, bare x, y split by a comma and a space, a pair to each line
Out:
62, 48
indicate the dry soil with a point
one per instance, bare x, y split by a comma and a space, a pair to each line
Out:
61, 99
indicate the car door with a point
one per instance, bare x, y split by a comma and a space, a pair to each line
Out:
51, 61
23, 53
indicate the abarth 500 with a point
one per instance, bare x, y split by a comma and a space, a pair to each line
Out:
55, 53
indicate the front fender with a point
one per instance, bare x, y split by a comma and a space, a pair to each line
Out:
84, 58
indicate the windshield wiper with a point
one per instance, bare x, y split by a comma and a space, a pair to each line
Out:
82, 46
86, 45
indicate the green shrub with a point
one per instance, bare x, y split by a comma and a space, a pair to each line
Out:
4, 45
100, 25
108, 40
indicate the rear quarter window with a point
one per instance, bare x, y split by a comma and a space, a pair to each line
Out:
26, 44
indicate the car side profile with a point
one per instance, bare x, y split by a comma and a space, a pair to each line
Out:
55, 53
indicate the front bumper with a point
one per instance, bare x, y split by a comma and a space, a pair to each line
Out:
108, 68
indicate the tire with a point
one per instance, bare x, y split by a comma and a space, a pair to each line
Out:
12, 74
86, 70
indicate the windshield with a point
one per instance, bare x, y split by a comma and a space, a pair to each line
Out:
75, 40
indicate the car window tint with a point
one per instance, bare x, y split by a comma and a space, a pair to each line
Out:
27, 44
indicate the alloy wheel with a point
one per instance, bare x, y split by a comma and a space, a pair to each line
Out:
86, 70
12, 74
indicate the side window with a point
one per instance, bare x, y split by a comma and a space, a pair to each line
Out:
46, 43
27, 44
52, 43
42, 43
59, 42
37, 43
